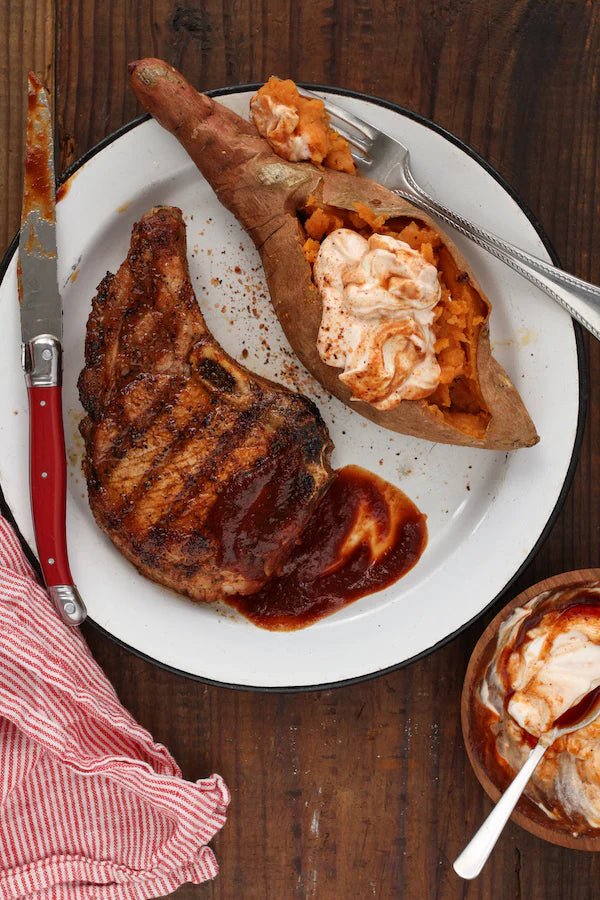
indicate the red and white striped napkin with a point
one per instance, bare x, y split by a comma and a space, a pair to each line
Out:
90, 806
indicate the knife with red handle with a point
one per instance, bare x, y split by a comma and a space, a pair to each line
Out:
41, 332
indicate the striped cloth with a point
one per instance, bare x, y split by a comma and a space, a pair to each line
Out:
90, 806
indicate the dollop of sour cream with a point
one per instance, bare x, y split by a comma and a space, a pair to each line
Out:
378, 297
278, 123
543, 671
553, 672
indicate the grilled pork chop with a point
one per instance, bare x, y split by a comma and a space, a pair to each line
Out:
200, 472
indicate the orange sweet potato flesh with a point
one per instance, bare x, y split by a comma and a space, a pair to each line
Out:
459, 315
478, 406
327, 147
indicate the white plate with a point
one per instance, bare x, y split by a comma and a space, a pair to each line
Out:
486, 511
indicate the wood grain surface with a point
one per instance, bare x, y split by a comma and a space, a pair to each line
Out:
364, 791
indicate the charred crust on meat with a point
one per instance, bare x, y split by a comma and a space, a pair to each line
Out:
197, 543
216, 375
176, 428
305, 485
311, 441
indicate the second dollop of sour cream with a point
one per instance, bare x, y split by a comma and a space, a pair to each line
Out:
378, 299
278, 123
553, 673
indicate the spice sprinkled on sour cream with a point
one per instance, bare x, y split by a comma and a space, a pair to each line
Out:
379, 297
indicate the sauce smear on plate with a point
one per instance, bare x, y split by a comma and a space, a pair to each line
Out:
364, 535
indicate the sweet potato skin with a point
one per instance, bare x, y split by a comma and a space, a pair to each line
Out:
264, 192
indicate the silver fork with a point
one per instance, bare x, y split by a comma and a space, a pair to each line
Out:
387, 161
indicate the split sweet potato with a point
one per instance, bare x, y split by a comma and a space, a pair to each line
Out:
288, 207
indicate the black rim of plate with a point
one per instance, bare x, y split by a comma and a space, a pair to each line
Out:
583, 397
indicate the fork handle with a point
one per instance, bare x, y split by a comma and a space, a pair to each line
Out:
578, 297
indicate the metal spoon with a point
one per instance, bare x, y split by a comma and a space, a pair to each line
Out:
473, 858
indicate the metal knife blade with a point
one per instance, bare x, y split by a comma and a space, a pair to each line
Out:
41, 307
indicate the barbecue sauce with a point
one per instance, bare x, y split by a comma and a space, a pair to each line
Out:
363, 535
62, 190
258, 509
38, 188
579, 711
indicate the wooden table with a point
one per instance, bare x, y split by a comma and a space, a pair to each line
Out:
363, 791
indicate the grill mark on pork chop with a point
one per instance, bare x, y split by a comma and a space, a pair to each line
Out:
134, 433
191, 463
202, 473
184, 435
203, 476
179, 419
180, 530
232, 501
144, 490
237, 441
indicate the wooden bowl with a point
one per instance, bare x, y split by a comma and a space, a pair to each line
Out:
526, 813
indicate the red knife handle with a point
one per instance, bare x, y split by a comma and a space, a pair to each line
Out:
48, 482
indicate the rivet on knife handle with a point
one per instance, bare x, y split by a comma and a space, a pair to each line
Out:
42, 361
68, 602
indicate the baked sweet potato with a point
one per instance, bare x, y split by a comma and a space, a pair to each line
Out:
287, 208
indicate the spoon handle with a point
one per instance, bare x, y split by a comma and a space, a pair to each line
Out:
473, 858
